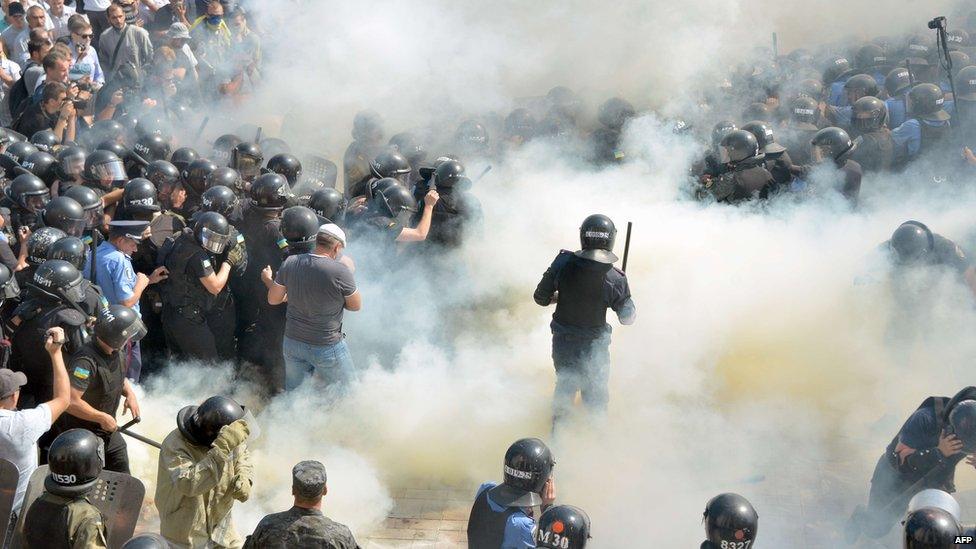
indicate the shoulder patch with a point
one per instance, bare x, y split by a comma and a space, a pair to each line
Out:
282, 243
81, 373
240, 238
206, 264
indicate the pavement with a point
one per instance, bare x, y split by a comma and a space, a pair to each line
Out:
428, 517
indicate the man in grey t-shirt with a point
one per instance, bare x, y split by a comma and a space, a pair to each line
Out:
318, 288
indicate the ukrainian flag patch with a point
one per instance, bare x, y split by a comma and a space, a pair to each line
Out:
282, 243
81, 373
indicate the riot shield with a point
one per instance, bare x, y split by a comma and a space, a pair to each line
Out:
117, 495
8, 491
320, 168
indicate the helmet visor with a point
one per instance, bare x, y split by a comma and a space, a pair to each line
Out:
94, 217
248, 166
212, 241
109, 172
35, 202
819, 153
73, 165
134, 332
724, 156
75, 292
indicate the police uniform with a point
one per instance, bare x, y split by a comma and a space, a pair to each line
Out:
355, 167
101, 378
194, 320
911, 457
118, 281
492, 526
56, 522
916, 137
896, 110
580, 333
300, 527
453, 217
876, 150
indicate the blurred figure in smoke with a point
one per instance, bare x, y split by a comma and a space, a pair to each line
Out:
367, 135
583, 285
204, 466
563, 527
303, 525
927, 126
913, 245
832, 168
501, 516
730, 522
924, 454
614, 115
457, 213
743, 173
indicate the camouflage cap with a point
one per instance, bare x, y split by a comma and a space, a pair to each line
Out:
308, 479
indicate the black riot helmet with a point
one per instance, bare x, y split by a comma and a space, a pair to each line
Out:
139, 197
103, 130
29, 192
39, 244
367, 126
182, 157
71, 163
615, 112
195, 176
758, 111
962, 418
810, 87
152, 126
228, 177
117, 325
114, 146
394, 201
212, 232
597, 235
299, 225
201, 424
870, 56
246, 158
737, 146
152, 147
449, 174
146, 541
917, 51
930, 528
897, 81
328, 204
19, 151
959, 59
520, 123
8, 284
471, 135
104, 169
803, 113
409, 146
43, 165
60, 280
861, 85
563, 527
287, 165
90, 202
958, 38
66, 214
832, 143
218, 199
222, 147
911, 242
376, 186
162, 173
966, 84
273, 146
389, 163
836, 67
730, 518
763, 132
269, 192
75, 459
720, 130
925, 101
869, 114
528, 465
44, 140
70, 249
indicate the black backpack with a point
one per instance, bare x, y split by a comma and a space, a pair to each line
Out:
19, 96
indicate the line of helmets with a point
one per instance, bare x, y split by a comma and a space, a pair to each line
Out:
152, 175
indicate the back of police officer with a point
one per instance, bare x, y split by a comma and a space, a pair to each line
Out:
458, 212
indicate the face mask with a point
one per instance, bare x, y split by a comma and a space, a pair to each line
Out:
214, 20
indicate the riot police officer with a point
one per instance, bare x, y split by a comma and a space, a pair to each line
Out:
222, 148
897, 84
29, 195
923, 454
67, 214
730, 521
876, 149
778, 161
93, 207
833, 146
457, 211
97, 373
745, 176
69, 168
387, 217
38, 245
580, 333
194, 183
563, 527
247, 159
613, 115
223, 200
299, 226
499, 516
329, 205
913, 245
62, 517
367, 135
931, 528
195, 297
801, 126
413, 149
471, 139
182, 157
386, 164
105, 174
171, 194
927, 125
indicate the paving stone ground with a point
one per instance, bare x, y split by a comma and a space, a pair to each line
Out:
431, 517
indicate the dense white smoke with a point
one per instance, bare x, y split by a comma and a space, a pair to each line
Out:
757, 364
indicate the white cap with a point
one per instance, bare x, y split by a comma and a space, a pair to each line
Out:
333, 230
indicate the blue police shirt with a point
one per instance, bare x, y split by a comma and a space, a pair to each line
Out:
896, 110
837, 96
908, 136
115, 274
518, 528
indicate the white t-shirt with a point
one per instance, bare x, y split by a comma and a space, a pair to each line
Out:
19, 431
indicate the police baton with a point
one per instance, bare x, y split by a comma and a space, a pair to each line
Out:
125, 431
257, 137
483, 173
623, 267
203, 126
132, 154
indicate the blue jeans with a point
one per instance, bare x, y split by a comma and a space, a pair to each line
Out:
327, 364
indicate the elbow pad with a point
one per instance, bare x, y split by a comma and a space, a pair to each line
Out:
923, 461
541, 298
